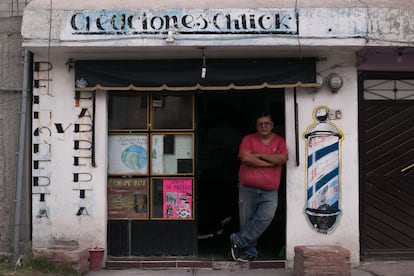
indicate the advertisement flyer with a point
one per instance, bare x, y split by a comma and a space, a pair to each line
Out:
178, 198
127, 198
128, 154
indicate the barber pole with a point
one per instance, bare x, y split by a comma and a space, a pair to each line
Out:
323, 172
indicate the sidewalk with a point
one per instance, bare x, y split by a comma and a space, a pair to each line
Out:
386, 268
377, 268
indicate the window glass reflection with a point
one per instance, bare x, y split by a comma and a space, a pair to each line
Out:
127, 111
172, 112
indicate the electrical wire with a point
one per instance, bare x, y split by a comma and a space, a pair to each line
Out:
49, 42
297, 26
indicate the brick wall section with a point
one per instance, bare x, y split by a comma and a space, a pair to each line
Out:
322, 260
77, 258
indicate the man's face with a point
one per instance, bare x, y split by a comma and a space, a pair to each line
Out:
264, 125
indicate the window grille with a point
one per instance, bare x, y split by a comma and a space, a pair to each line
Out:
383, 89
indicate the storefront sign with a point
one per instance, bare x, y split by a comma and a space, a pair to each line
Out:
194, 21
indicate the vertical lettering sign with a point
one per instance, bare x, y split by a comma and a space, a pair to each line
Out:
42, 137
127, 198
178, 198
183, 21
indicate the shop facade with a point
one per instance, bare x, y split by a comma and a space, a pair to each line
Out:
138, 112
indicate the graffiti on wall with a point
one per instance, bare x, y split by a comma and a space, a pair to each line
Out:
323, 171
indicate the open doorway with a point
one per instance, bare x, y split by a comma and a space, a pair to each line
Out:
222, 119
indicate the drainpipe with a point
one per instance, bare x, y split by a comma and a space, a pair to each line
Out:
20, 154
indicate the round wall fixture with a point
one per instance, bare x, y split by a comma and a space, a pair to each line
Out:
334, 82
319, 84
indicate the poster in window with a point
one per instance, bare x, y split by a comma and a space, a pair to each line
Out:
178, 198
127, 198
128, 154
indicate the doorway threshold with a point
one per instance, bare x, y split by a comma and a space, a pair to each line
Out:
189, 262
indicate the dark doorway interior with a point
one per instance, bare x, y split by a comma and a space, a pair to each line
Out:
223, 118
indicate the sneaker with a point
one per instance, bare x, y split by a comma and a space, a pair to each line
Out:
235, 249
245, 258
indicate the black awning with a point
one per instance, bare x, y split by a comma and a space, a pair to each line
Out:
185, 74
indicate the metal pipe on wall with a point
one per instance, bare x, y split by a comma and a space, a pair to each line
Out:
21, 153
296, 128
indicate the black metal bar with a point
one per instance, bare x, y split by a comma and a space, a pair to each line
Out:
93, 130
296, 129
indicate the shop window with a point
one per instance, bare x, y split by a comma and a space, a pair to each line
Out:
127, 198
172, 112
172, 154
150, 156
127, 111
128, 154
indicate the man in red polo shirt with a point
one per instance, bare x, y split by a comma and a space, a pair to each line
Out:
262, 156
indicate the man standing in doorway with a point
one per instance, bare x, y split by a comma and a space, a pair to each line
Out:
262, 156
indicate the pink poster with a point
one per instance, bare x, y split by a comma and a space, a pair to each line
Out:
178, 198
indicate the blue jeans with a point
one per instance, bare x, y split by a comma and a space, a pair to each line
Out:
256, 210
